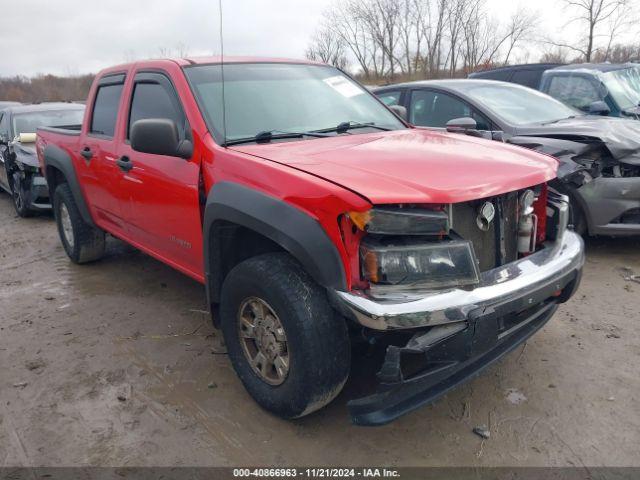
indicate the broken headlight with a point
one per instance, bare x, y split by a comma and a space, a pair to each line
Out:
415, 262
401, 221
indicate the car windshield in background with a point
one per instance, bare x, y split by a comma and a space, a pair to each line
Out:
277, 97
624, 87
31, 121
520, 105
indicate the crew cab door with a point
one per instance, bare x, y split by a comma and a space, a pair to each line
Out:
97, 154
162, 208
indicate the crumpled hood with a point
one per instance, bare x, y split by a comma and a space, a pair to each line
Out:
620, 135
26, 153
413, 166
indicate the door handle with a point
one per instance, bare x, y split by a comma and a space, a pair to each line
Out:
124, 163
87, 153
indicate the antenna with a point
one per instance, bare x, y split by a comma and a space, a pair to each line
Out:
224, 101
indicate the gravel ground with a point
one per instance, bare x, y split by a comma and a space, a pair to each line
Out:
116, 364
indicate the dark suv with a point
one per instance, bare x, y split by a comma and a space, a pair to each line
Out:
528, 75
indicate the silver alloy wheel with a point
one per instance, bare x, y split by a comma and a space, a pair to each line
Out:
263, 340
17, 198
16, 188
67, 227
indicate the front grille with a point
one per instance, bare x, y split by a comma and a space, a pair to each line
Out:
499, 244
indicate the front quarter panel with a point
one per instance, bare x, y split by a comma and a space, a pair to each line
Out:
310, 202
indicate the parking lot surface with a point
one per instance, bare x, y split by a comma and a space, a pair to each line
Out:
116, 363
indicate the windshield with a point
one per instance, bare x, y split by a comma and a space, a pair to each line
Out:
265, 97
624, 87
30, 122
520, 105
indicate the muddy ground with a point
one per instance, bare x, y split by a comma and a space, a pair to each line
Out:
115, 364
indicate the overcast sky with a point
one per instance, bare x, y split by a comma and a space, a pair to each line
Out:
81, 36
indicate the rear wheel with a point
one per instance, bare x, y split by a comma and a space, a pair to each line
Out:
287, 345
82, 242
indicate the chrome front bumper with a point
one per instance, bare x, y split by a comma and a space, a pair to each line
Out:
521, 283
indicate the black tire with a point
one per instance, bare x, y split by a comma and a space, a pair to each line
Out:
20, 197
86, 243
578, 219
317, 341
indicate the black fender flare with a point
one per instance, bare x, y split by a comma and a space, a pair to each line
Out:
56, 157
289, 227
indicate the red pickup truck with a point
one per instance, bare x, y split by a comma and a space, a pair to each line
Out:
315, 216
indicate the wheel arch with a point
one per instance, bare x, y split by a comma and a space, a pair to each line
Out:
59, 169
270, 224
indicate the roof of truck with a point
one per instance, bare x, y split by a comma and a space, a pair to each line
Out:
218, 59
212, 60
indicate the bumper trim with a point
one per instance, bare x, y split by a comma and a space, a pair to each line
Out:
547, 270
399, 398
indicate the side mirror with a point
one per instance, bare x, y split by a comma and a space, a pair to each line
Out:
462, 125
159, 136
599, 108
400, 111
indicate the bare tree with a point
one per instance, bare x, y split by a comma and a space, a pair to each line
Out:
344, 20
391, 38
592, 15
328, 48
521, 27
617, 22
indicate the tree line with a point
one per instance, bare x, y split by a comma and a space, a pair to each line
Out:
45, 88
389, 40
385, 40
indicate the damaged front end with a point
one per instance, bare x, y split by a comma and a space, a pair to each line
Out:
28, 186
438, 336
602, 178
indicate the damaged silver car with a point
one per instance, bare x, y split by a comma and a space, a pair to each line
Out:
599, 156
19, 169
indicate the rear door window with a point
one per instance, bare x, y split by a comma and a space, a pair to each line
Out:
576, 91
434, 109
105, 110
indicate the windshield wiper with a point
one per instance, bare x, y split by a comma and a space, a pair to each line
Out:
570, 117
269, 135
344, 127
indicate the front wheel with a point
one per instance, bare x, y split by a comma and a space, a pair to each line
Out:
20, 196
82, 242
287, 345
578, 219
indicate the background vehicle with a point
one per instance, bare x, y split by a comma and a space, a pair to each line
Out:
528, 75
600, 156
596, 88
587, 86
19, 168
308, 209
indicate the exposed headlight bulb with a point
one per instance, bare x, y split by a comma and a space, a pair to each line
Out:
527, 223
527, 198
